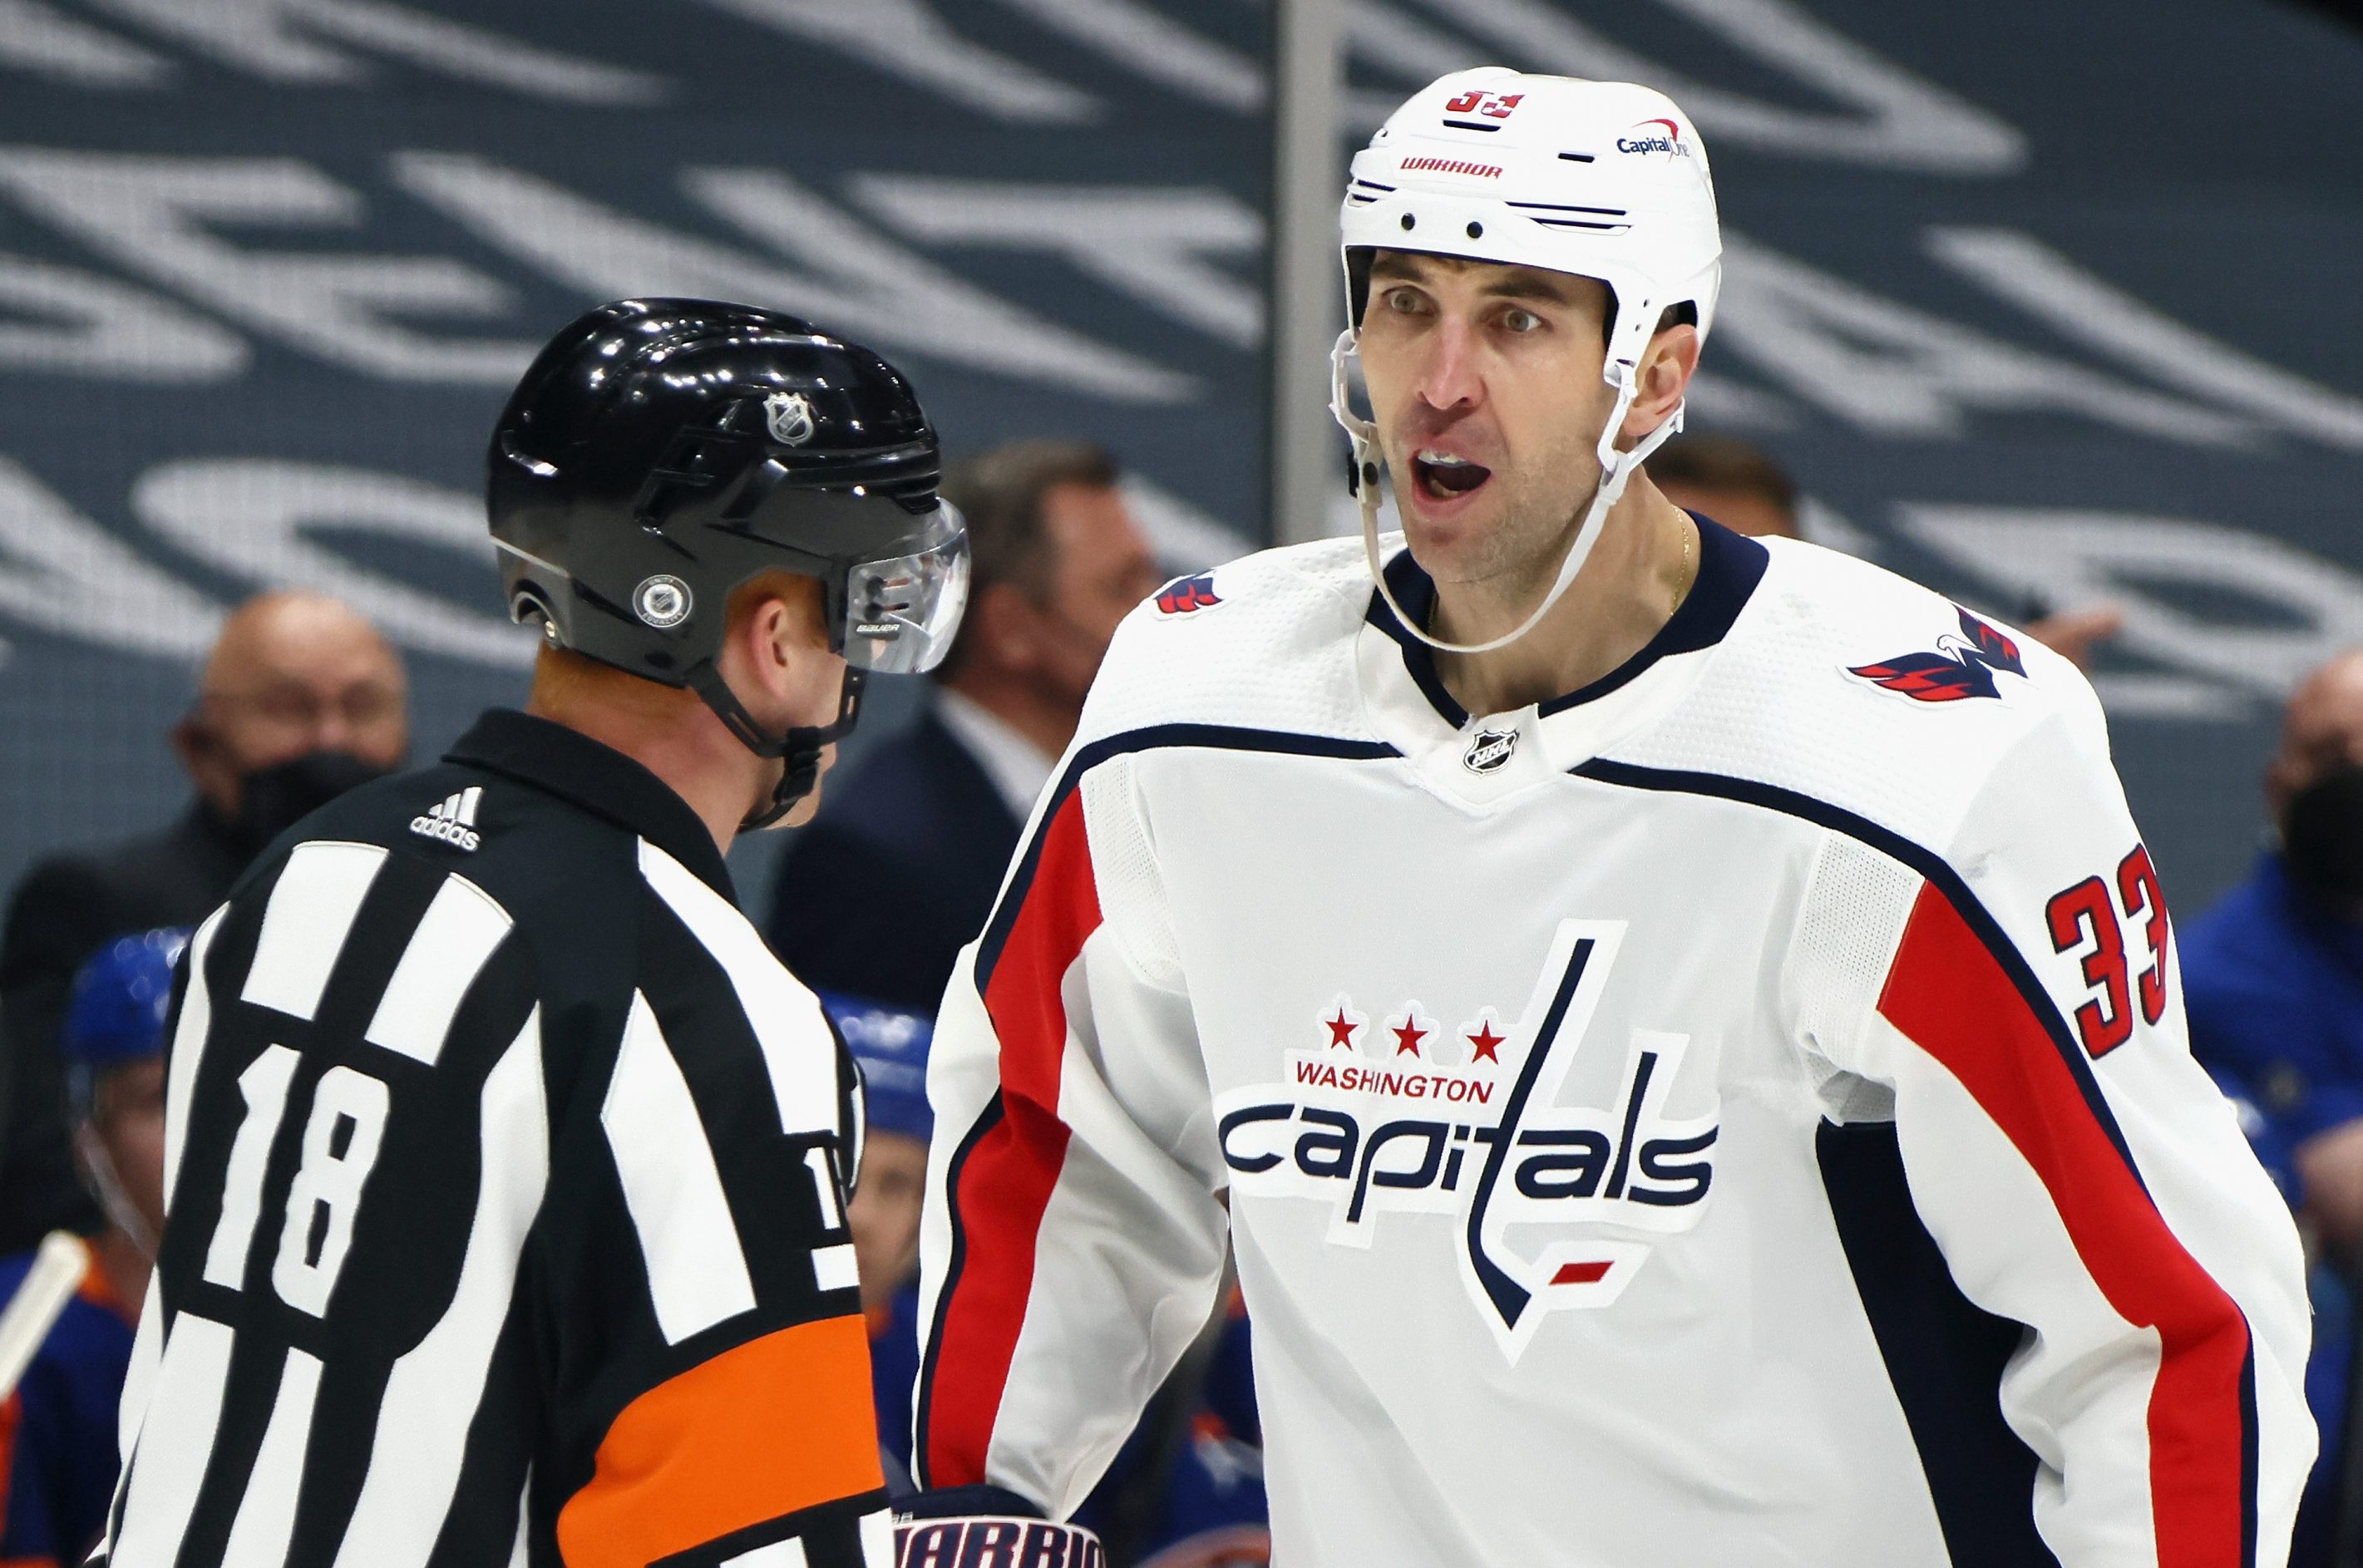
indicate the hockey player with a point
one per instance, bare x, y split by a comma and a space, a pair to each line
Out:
58, 1430
505, 1167
1686, 1026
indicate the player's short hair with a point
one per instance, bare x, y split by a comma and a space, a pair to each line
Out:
999, 490
1709, 461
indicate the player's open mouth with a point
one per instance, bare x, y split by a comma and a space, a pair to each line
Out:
1444, 477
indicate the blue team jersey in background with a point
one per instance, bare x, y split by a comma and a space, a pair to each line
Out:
2273, 985
59, 1447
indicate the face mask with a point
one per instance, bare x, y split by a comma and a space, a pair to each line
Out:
275, 799
2323, 839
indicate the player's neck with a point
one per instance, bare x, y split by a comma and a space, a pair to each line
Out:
1636, 577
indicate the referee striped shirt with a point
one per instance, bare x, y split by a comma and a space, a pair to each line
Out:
505, 1171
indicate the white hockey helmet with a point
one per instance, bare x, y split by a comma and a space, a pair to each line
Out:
1604, 180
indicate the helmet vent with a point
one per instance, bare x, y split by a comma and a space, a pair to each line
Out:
1578, 158
1470, 125
1362, 193
1536, 210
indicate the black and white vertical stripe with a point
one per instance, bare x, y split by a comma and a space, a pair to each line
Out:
404, 1136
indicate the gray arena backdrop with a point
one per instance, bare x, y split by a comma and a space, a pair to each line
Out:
2043, 303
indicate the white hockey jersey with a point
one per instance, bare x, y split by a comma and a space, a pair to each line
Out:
1736, 1113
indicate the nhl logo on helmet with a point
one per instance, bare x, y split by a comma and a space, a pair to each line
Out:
789, 417
662, 601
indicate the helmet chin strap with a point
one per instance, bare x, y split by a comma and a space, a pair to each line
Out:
1616, 468
800, 748
99, 1166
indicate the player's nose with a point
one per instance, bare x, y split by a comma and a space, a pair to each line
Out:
1451, 378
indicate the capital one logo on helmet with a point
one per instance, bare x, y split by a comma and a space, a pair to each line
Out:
1669, 140
1487, 1144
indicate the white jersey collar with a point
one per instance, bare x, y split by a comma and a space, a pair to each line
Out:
1411, 707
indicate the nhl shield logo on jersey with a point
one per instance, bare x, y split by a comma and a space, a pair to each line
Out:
1959, 668
1186, 596
1396, 1115
1490, 750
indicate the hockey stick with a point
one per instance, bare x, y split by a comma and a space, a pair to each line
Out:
50, 1284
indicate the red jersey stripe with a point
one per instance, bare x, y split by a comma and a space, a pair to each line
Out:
1005, 1184
1952, 997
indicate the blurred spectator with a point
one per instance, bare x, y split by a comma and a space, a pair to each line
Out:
60, 1469
1736, 483
300, 700
891, 1048
2273, 974
1742, 486
898, 871
2273, 981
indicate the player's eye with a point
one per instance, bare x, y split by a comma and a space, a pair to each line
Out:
1403, 301
1520, 320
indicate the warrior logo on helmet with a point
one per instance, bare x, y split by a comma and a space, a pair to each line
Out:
790, 416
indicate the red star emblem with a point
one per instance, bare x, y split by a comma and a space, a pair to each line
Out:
1408, 1035
1340, 1031
1485, 1044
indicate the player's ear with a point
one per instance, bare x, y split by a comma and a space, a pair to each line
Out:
1663, 380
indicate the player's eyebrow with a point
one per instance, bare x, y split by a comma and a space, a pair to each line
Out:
1528, 283
1520, 283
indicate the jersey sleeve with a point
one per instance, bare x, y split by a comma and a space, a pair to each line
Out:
2011, 999
712, 1388
1072, 1243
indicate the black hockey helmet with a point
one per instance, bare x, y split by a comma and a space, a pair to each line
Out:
659, 452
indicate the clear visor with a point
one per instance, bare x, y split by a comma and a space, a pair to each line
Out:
900, 615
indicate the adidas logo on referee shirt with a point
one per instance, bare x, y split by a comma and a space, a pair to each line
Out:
454, 821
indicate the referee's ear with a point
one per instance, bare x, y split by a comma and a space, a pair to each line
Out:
776, 652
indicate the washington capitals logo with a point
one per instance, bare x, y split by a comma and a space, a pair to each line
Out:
1962, 667
1184, 594
1552, 1206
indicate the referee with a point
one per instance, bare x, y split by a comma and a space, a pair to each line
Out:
504, 1167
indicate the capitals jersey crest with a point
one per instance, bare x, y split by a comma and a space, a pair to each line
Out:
1957, 669
1184, 594
1487, 1143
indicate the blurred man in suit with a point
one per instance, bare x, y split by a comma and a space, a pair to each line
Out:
300, 700
1058, 561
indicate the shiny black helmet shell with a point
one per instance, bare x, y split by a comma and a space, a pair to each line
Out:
659, 452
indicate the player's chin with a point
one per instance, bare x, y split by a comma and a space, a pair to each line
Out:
1442, 527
